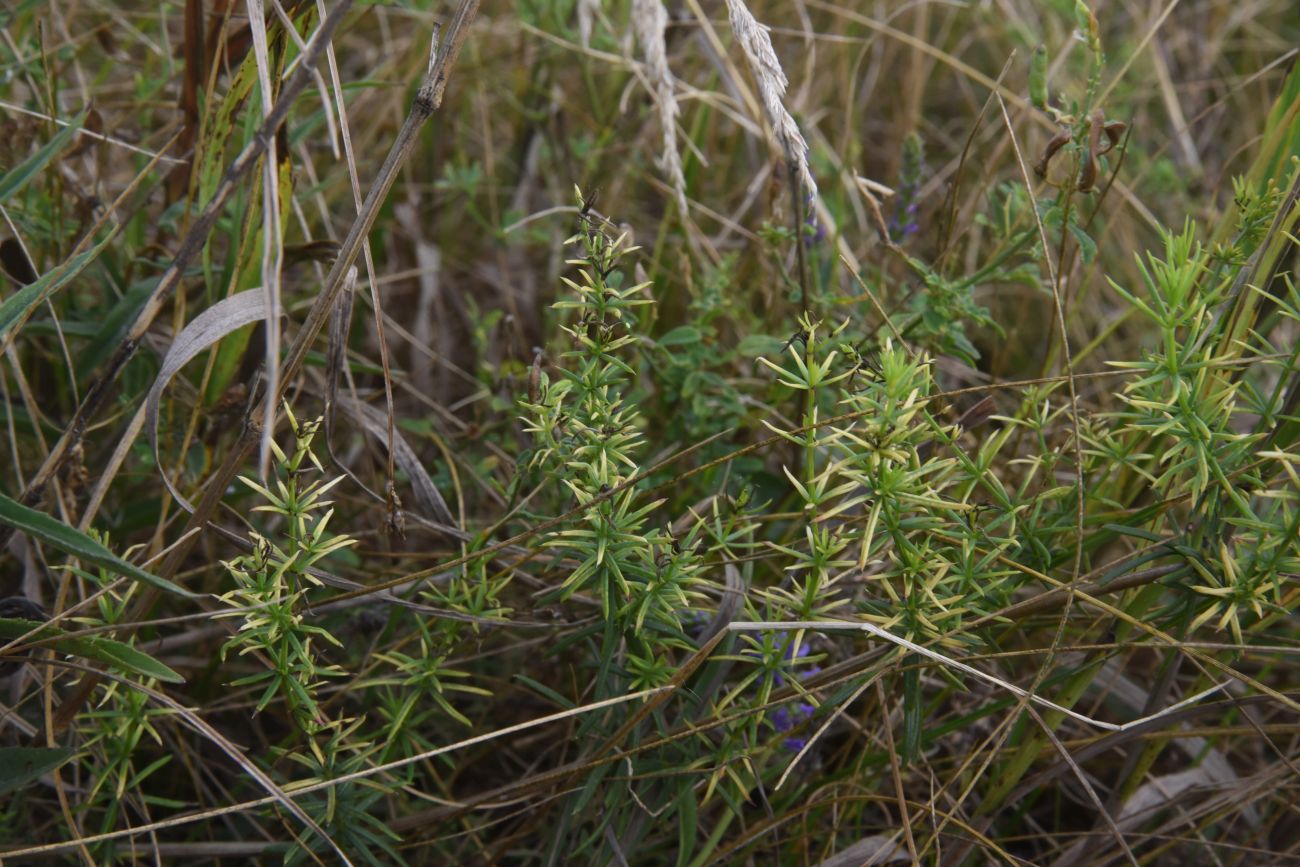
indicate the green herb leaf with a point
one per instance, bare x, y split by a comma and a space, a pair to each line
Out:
78, 544
21, 765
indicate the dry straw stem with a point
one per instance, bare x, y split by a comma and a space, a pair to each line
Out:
587, 11
278, 794
272, 244
650, 19
761, 56
286, 796
427, 100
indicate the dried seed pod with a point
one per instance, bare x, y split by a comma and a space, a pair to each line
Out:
1060, 140
535, 377
1114, 132
15, 262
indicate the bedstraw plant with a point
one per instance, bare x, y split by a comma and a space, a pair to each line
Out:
898, 461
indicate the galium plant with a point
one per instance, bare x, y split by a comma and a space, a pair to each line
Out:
271, 583
347, 812
1238, 539
112, 730
587, 436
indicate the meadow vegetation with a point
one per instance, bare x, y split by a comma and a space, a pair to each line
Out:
671, 432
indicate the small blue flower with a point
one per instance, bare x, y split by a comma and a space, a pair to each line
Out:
787, 717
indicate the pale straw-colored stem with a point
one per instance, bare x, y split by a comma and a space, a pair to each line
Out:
649, 20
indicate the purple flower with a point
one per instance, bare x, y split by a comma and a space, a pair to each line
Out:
903, 222
792, 654
792, 714
787, 717
694, 622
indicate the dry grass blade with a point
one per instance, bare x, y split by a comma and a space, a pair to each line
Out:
587, 11
95, 396
948, 661
336, 357
287, 797
428, 98
877, 849
272, 245
427, 497
349, 153
278, 795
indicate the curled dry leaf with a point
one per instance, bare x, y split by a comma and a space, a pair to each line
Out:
223, 318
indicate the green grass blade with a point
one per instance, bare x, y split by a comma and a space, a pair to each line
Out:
17, 177
21, 765
15, 311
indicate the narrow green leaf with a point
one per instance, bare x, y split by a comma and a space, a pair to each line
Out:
682, 336
1038, 77
543, 689
912, 711
1087, 246
16, 309
106, 650
17, 177
1281, 139
109, 328
590, 788
72, 541
121, 656
20, 765
1137, 532
687, 824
